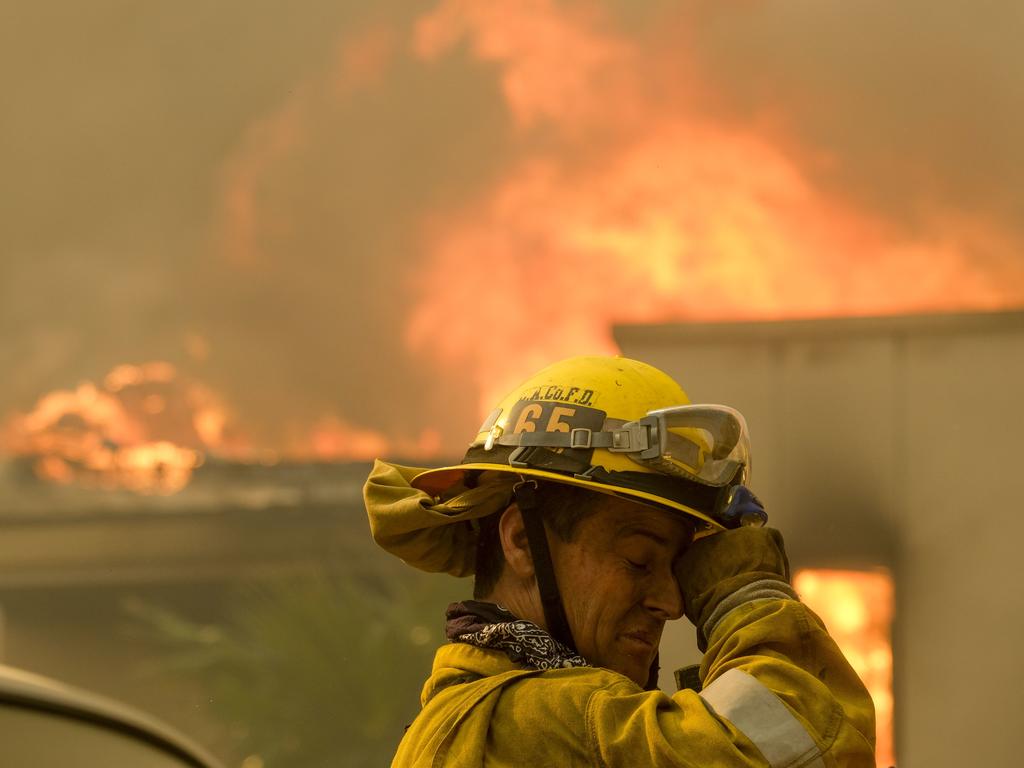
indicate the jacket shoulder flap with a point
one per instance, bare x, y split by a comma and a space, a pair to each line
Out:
431, 735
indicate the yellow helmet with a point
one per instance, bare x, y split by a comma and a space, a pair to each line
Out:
615, 426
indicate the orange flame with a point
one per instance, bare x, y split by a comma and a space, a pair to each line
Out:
857, 608
664, 213
144, 429
625, 195
334, 439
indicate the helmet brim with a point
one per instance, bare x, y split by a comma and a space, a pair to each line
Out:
437, 481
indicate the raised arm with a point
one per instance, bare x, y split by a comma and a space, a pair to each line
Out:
776, 689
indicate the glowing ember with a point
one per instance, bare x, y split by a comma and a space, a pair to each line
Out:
857, 608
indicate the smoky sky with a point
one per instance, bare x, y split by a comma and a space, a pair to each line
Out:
121, 123
915, 100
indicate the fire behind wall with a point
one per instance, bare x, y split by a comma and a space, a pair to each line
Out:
344, 219
857, 606
888, 442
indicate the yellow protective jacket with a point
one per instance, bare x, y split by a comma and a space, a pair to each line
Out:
777, 692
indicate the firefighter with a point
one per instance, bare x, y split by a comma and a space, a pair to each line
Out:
595, 504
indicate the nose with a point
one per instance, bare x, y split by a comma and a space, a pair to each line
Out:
664, 598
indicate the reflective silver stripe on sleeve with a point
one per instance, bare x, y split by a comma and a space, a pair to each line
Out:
764, 719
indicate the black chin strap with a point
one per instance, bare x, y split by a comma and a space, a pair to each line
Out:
554, 612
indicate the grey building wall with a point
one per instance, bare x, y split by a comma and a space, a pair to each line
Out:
893, 442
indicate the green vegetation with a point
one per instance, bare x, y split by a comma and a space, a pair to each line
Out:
320, 668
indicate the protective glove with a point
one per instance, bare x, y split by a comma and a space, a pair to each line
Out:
722, 571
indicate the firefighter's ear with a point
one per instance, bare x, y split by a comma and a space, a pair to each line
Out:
514, 542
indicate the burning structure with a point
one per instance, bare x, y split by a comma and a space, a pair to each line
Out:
859, 427
285, 266
542, 170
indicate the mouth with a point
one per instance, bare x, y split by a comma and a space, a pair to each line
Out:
642, 640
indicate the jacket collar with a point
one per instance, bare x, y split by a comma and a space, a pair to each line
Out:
459, 663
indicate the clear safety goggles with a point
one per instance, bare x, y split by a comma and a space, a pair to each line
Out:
705, 443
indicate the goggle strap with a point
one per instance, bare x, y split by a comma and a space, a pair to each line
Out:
633, 437
618, 440
681, 453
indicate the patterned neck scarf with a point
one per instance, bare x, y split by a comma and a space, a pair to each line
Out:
487, 625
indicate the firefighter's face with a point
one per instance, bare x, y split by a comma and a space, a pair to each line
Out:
617, 581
